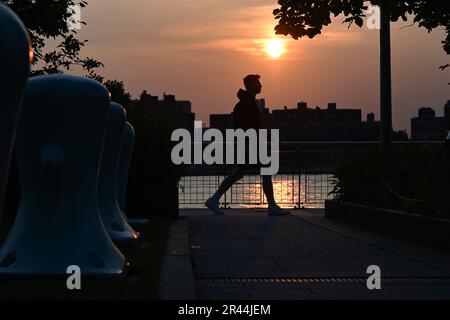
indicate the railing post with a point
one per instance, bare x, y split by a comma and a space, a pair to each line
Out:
301, 170
225, 203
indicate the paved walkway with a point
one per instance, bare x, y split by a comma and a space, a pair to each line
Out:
247, 255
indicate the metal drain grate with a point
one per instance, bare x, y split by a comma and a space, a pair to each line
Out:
345, 280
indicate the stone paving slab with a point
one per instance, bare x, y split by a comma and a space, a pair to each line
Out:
248, 244
176, 281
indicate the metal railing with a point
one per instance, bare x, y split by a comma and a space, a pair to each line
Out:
305, 179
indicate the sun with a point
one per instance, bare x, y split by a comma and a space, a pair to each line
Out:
274, 48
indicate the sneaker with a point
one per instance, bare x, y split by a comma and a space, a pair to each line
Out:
276, 211
213, 205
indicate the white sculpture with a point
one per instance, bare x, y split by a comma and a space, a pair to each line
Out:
59, 144
14, 71
126, 153
114, 220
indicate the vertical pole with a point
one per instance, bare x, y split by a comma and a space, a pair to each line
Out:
299, 159
385, 80
447, 140
447, 151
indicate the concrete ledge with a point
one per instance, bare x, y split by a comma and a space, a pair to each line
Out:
422, 229
177, 279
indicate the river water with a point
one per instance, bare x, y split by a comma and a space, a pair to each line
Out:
291, 190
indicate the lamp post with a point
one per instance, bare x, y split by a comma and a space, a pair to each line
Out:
385, 80
447, 149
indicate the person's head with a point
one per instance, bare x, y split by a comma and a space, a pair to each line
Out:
252, 84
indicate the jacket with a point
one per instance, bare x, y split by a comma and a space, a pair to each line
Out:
246, 114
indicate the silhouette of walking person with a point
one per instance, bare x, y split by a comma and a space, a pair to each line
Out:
246, 116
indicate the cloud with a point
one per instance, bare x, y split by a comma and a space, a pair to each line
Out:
242, 27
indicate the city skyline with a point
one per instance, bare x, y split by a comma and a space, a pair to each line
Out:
176, 48
184, 106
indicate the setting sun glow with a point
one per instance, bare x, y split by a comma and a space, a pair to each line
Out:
274, 48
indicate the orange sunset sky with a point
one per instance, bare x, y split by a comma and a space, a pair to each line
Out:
201, 49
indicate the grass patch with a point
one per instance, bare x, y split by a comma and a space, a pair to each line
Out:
141, 283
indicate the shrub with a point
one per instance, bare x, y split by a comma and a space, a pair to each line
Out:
412, 178
153, 180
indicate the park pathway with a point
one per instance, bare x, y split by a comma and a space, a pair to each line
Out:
247, 255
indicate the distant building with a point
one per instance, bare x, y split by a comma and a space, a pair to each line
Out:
178, 106
428, 127
311, 124
183, 108
261, 103
221, 121
303, 123
147, 100
168, 103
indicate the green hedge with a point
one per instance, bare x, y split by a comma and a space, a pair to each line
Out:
411, 178
153, 180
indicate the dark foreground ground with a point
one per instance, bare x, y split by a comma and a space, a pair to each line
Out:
247, 255
142, 281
